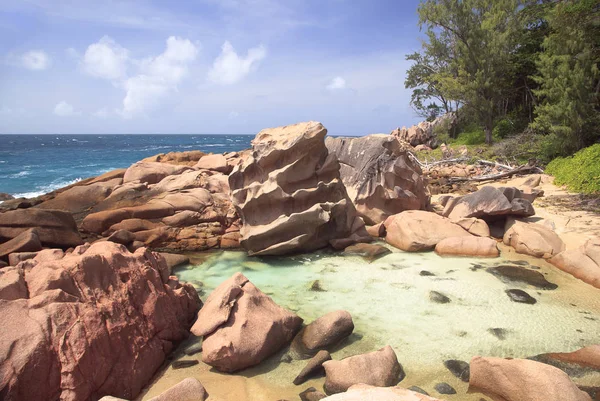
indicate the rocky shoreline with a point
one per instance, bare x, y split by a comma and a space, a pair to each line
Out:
94, 313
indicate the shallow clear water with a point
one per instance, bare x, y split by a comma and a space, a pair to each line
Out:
389, 302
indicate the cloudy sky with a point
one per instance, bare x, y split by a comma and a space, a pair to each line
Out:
204, 66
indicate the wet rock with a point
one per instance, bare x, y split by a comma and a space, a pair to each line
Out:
418, 389
379, 368
438, 297
370, 252
311, 394
289, 194
195, 348
520, 296
498, 332
242, 326
313, 367
426, 273
444, 388
316, 286
379, 175
521, 380
189, 389
458, 368
516, 274
184, 364
533, 239
326, 331
416, 230
286, 358
581, 363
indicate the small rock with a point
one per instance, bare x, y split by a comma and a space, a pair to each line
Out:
313, 367
326, 331
520, 296
286, 358
438, 297
369, 252
195, 348
184, 364
426, 273
311, 394
189, 389
458, 368
444, 388
418, 389
499, 333
316, 286
511, 274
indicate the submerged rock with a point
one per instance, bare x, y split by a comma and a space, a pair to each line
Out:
379, 368
498, 332
418, 389
97, 321
316, 286
520, 296
311, 394
325, 332
182, 364
444, 388
370, 252
458, 368
516, 274
522, 380
438, 297
289, 194
313, 367
242, 326
379, 175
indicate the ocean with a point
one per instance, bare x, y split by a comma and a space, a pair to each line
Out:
32, 165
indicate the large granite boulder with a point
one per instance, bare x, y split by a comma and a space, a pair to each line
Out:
100, 321
522, 380
27, 241
417, 230
152, 172
533, 239
380, 177
289, 195
424, 133
583, 263
323, 333
54, 228
489, 203
363, 392
242, 326
379, 368
468, 246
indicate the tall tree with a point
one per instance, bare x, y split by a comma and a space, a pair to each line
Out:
479, 37
568, 76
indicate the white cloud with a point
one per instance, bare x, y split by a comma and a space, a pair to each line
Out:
230, 68
64, 109
35, 60
337, 83
159, 76
105, 59
101, 113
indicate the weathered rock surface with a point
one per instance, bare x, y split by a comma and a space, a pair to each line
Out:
424, 132
379, 176
289, 195
313, 367
474, 226
189, 389
311, 394
27, 241
362, 392
5, 197
379, 368
468, 246
242, 326
522, 380
415, 230
533, 239
151, 172
326, 331
54, 228
488, 202
98, 321
214, 162
583, 263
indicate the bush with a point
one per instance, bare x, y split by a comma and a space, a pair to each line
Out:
473, 135
580, 172
503, 129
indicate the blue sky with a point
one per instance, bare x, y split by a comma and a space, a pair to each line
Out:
204, 66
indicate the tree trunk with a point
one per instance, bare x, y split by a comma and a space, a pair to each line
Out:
488, 133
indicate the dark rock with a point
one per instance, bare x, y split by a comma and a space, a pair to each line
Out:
444, 388
520, 296
512, 274
3, 264
122, 237
326, 331
5, 197
316, 286
426, 273
184, 364
286, 358
438, 297
458, 368
313, 367
418, 389
498, 333
195, 348
311, 394
370, 252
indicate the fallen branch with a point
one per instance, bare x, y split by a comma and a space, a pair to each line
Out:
494, 164
492, 177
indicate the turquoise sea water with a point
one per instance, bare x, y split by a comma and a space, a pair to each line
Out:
31, 165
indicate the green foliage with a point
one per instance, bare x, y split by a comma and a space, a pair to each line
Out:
503, 128
474, 135
568, 78
581, 172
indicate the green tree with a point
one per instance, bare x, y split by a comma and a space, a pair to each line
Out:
478, 38
568, 77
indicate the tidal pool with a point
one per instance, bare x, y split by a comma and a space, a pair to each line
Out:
390, 302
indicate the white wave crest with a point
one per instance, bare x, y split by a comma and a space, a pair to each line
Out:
41, 190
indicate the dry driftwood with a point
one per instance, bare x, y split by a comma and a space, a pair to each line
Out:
491, 177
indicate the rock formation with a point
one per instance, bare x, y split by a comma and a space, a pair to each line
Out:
489, 203
468, 246
583, 263
362, 392
97, 321
242, 326
424, 133
289, 195
323, 333
380, 177
533, 239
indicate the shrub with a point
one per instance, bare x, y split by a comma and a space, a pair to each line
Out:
580, 172
503, 129
471, 136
